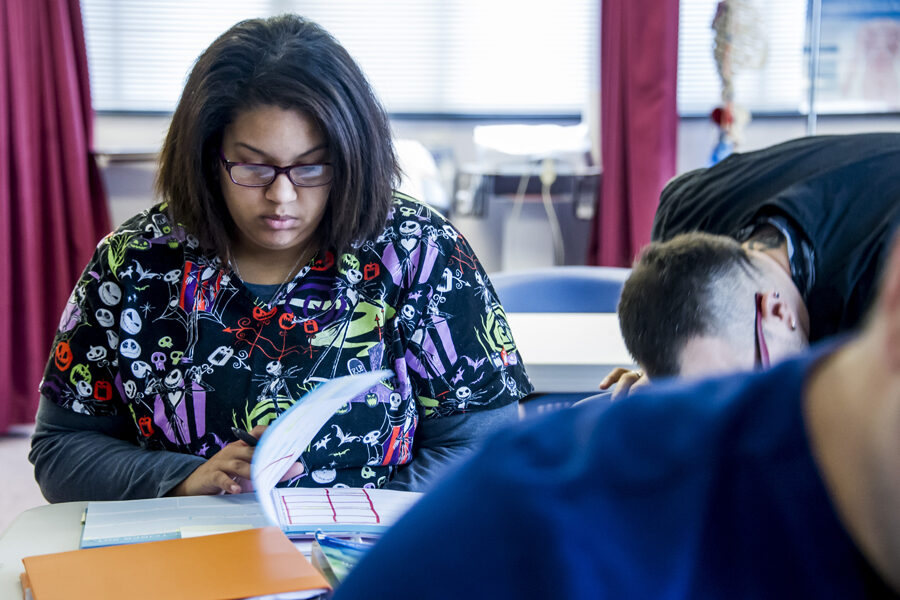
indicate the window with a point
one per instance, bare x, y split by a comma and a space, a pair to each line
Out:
499, 57
778, 86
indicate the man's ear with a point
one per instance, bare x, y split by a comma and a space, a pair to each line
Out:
774, 308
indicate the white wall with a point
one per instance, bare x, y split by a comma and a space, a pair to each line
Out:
696, 137
500, 243
496, 239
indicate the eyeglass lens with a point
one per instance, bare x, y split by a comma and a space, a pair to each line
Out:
259, 175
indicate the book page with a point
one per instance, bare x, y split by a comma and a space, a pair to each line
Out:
153, 519
290, 434
303, 511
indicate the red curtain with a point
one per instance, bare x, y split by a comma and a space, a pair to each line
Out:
52, 206
638, 123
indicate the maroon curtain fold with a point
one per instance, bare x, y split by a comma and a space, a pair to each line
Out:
52, 206
638, 123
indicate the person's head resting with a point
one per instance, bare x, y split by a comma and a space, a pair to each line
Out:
690, 307
292, 64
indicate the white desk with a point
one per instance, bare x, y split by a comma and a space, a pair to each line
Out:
569, 352
40, 530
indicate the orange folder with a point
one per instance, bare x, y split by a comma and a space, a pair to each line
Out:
252, 562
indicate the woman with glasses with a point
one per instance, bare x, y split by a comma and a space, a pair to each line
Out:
279, 258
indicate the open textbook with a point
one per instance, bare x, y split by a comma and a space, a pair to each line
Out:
299, 512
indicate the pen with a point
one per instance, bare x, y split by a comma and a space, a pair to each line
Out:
244, 436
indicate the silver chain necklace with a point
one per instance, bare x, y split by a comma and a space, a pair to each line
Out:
290, 275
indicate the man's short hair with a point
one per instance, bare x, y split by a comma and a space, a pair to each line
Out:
695, 284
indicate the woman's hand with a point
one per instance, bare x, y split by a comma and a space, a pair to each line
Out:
227, 471
625, 381
220, 474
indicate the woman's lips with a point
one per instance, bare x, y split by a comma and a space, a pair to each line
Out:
279, 222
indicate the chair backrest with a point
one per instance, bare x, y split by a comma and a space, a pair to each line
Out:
565, 289
569, 289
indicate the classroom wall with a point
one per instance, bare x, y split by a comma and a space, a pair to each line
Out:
501, 243
697, 136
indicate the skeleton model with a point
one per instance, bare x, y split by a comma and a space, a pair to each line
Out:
740, 43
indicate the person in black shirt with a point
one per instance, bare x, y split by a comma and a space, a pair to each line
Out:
813, 218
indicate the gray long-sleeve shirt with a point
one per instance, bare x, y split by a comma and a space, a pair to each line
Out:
80, 457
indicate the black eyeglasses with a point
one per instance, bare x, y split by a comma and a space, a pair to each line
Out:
762, 350
258, 175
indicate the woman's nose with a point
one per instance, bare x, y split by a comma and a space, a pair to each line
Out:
282, 189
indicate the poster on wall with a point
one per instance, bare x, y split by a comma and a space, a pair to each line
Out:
859, 57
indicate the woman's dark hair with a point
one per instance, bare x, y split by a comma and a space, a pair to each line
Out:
292, 63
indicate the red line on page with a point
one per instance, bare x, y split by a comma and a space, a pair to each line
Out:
371, 506
287, 510
277, 460
331, 504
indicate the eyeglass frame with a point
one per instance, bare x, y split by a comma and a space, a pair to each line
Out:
762, 349
228, 164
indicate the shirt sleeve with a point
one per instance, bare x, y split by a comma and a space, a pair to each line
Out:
460, 356
81, 371
82, 457
446, 442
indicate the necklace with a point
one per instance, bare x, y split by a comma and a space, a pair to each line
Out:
290, 275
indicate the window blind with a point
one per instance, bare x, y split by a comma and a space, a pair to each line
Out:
441, 57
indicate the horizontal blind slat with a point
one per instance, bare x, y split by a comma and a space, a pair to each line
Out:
479, 56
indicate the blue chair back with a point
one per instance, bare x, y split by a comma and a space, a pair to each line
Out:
564, 289
569, 289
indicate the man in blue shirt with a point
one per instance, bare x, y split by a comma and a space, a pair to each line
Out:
784, 483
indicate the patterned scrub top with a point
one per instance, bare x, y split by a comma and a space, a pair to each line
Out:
159, 329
